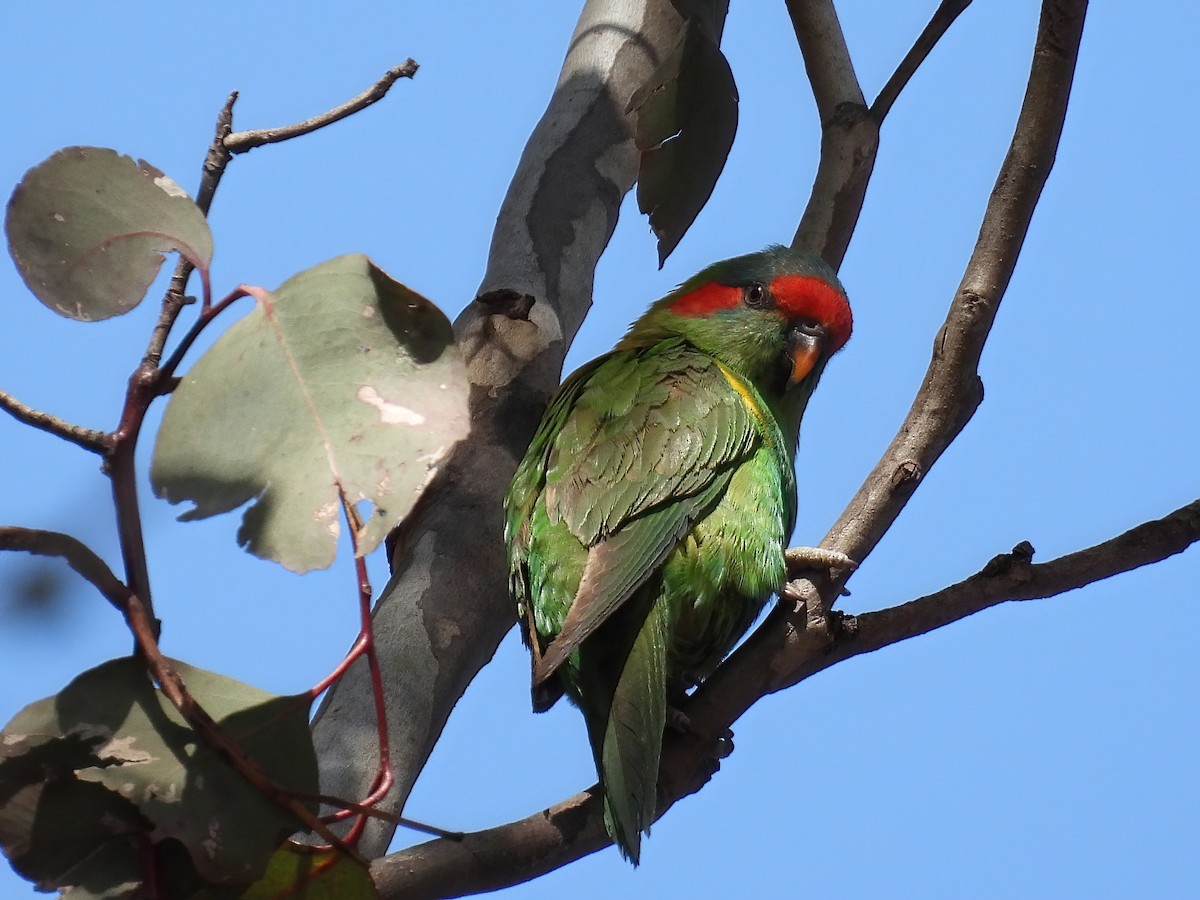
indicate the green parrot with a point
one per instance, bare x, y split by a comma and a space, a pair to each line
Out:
647, 524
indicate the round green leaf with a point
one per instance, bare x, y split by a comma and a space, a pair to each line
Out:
343, 380
88, 228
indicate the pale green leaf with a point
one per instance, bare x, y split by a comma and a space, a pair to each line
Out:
88, 228
343, 380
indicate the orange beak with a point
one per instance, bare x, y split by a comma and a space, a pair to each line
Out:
804, 349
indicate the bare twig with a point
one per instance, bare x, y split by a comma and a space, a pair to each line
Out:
242, 141
849, 134
87, 438
74, 552
483, 860
1012, 576
943, 17
215, 162
373, 812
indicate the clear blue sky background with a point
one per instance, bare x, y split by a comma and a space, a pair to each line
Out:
1039, 750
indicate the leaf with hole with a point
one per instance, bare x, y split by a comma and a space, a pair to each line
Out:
88, 228
342, 383
107, 764
686, 116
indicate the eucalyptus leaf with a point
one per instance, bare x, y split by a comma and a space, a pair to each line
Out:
342, 383
686, 117
108, 759
88, 228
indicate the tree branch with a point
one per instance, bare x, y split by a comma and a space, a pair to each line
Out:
1011, 576
510, 854
87, 438
800, 634
496, 857
243, 141
849, 134
74, 552
446, 607
952, 390
943, 17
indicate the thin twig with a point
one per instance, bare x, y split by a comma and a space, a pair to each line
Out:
166, 374
1013, 577
215, 162
87, 438
242, 141
943, 17
365, 646
74, 552
376, 813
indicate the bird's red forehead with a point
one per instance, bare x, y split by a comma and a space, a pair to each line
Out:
706, 299
809, 297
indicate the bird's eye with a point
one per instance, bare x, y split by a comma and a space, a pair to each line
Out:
757, 295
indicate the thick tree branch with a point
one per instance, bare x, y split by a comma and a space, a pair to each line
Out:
496, 857
943, 17
242, 141
513, 853
849, 134
446, 607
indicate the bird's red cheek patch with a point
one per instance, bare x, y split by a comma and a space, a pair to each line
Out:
707, 299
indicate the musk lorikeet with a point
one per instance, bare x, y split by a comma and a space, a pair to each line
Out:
647, 523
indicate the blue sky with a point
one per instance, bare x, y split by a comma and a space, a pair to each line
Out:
1044, 749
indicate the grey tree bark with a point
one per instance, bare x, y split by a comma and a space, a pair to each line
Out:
446, 608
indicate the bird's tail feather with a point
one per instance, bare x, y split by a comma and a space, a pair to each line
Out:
633, 734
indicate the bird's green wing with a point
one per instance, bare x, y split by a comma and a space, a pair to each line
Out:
519, 504
648, 445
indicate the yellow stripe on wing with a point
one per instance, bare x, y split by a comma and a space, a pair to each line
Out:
745, 392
